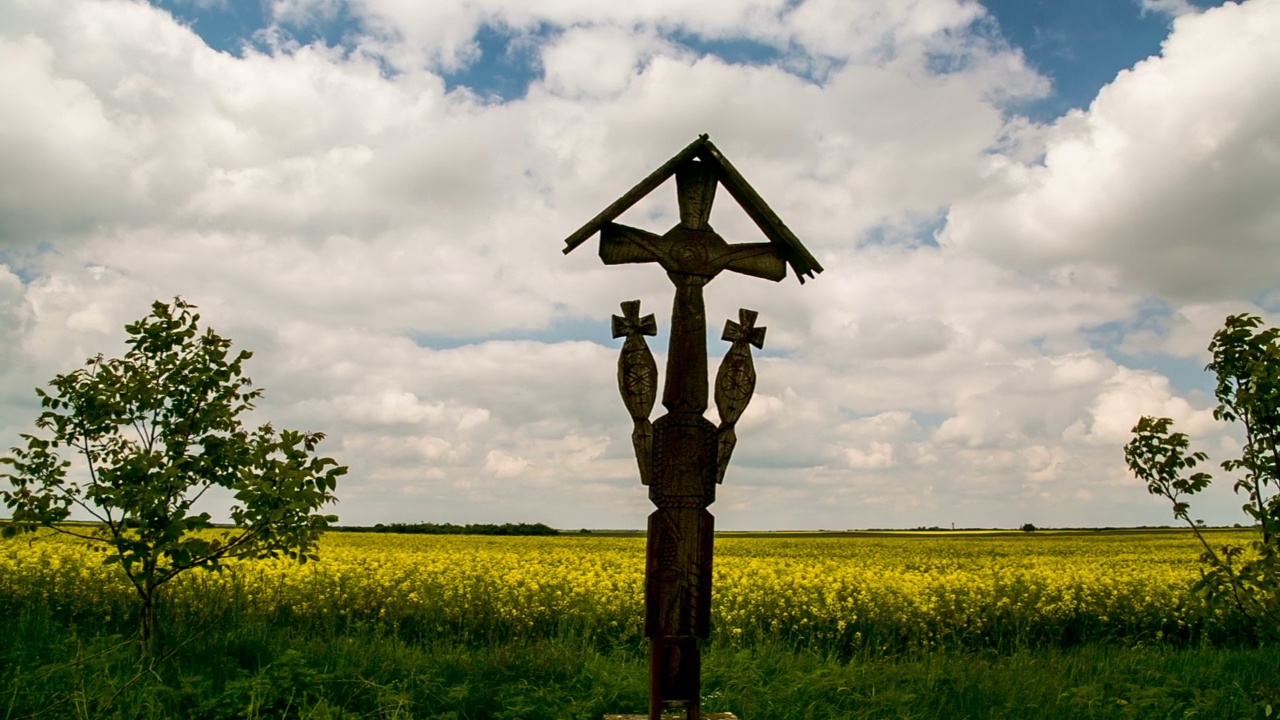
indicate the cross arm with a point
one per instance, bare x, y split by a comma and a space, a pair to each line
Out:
762, 260
621, 244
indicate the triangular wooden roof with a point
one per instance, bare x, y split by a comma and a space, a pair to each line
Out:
727, 175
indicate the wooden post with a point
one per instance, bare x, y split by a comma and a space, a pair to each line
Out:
682, 456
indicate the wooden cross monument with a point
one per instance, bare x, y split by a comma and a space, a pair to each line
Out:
682, 455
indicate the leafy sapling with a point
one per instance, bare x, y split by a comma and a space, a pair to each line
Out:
154, 431
1246, 361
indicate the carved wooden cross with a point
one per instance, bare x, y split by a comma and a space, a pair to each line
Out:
682, 456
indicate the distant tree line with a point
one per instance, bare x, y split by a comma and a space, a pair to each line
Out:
451, 529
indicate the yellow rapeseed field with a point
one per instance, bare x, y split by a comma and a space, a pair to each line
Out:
843, 593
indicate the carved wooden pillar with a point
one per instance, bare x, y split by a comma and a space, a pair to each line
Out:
682, 456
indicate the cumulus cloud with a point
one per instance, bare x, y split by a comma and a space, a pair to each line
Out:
1169, 178
389, 244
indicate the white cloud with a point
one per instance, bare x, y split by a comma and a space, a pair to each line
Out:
596, 63
1172, 8
1169, 177
441, 35
382, 245
1130, 395
504, 465
1186, 330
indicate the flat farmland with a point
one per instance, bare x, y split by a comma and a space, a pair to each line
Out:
823, 625
844, 594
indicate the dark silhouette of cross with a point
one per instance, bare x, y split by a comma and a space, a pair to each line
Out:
682, 456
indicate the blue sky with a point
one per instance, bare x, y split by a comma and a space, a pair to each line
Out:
1079, 46
1033, 216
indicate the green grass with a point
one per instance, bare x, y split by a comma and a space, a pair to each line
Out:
230, 669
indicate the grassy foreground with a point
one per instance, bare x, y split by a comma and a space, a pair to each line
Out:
51, 670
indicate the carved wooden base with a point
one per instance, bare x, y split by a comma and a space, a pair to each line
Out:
678, 573
675, 675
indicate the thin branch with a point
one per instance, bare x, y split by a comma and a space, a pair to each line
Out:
222, 553
1251, 467
142, 435
196, 499
1262, 505
88, 453
133, 579
1238, 594
86, 508
64, 531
